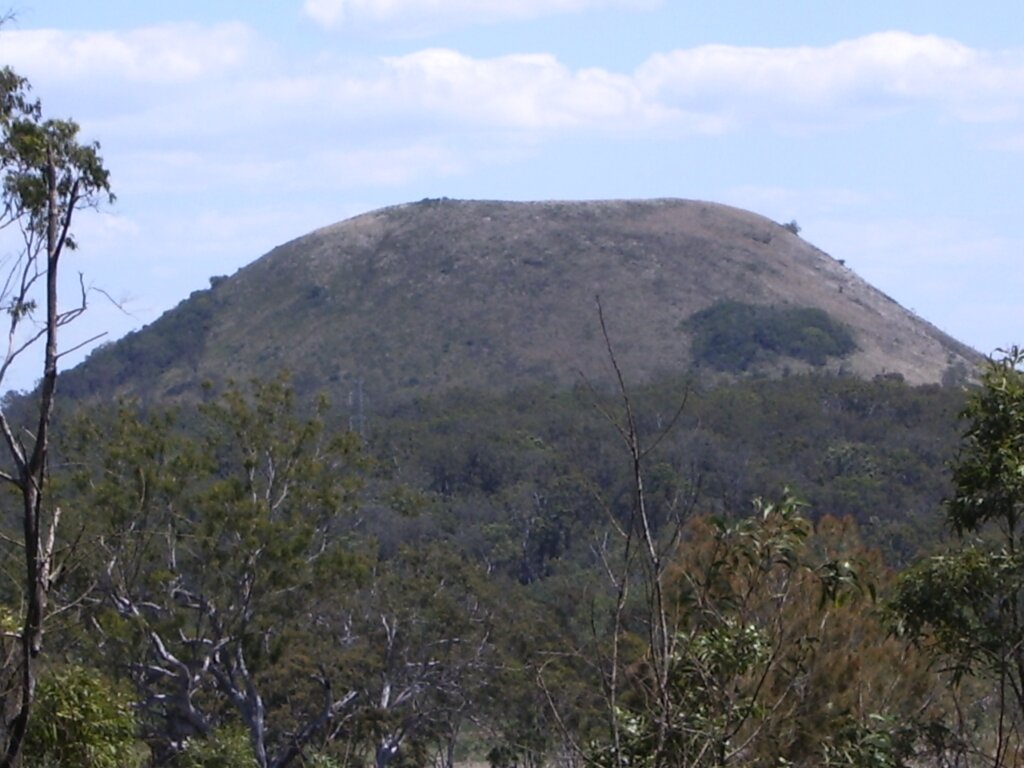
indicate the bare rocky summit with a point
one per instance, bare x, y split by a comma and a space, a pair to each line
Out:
426, 296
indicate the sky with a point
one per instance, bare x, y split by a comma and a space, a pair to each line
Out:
892, 132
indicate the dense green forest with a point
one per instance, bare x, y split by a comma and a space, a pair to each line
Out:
807, 571
479, 577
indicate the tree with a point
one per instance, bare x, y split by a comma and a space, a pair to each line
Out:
418, 647
966, 605
218, 554
47, 177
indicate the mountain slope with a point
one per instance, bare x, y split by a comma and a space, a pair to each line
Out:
426, 296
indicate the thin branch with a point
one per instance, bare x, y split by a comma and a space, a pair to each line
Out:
78, 346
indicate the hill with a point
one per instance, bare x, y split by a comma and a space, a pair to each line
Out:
462, 548
428, 296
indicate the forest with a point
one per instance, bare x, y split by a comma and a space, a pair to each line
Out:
812, 570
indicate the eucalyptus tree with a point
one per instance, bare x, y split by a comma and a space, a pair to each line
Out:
420, 648
966, 605
221, 548
48, 175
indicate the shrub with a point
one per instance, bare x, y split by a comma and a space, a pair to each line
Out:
227, 747
732, 336
82, 721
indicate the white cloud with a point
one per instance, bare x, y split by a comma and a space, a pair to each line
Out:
852, 80
516, 92
709, 89
160, 55
421, 16
202, 86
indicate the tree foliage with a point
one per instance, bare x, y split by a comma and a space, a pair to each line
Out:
215, 549
400, 630
733, 336
966, 605
82, 720
46, 176
764, 665
419, 643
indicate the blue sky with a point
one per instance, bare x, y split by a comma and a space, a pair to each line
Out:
893, 132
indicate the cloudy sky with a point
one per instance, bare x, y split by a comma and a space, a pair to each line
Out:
893, 132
